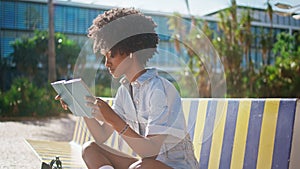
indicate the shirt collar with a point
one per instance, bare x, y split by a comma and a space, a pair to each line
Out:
149, 74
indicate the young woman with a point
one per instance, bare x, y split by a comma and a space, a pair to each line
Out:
147, 111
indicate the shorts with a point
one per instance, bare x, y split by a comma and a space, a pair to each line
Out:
180, 156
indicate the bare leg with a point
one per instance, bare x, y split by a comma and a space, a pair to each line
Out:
95, 156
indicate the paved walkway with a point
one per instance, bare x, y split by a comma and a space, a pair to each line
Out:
14, 151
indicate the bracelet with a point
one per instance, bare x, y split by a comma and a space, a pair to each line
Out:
124, 130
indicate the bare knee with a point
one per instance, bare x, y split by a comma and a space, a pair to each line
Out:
88, 148
92, 155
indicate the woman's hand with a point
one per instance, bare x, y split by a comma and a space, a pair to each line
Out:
63, 104
101, 110
96, 111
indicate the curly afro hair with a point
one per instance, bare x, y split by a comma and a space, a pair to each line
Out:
124, 30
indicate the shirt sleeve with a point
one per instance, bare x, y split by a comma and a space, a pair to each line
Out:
164, 118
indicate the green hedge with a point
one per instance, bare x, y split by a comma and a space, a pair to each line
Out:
25, 99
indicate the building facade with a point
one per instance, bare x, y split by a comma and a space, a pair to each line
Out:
20, 18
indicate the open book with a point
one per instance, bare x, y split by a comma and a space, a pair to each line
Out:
73, 93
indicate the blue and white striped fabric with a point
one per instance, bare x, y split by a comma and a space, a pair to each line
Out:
235, 133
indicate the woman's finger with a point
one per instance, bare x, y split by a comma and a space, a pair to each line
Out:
63, 104
57, 97
95, 102
65, 107
92, 105
90, 98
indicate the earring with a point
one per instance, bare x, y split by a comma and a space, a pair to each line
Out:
130, 56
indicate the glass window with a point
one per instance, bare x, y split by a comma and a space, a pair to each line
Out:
293, 22
259, 31
6, 48
28, 16
281, 20
256, 15
91, 15
45, 17
253, 32
8, 13
297, 22
82, 24
163, 59
258, 58
271, 58
70, 16
267, 18
59, 18
37, 16
162, 25
22, 15
288, 20
1, 45
1, 14
275, 19
261, 16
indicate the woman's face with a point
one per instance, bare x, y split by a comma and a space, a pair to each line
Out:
117, 64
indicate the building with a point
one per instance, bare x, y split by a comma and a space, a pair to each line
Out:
20, 18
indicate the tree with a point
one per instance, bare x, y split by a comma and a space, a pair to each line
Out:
25, 56
4, 69
30, 55
230, 45
189, 39
51, 47
66, 55
283, 78
267, 39
233, 43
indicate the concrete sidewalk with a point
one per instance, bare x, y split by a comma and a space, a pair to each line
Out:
14, 151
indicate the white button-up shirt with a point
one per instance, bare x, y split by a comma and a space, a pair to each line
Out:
155, 108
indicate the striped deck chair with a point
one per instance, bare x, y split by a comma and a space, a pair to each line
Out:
244, 133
